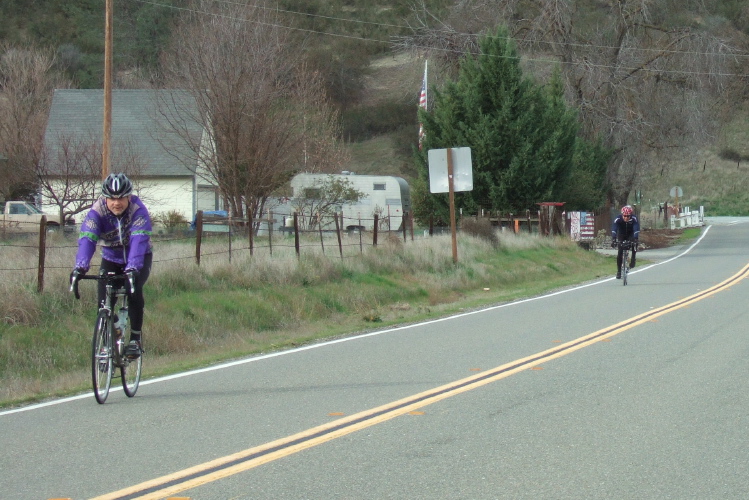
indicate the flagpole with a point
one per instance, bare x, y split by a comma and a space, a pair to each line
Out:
423, 100
426, 85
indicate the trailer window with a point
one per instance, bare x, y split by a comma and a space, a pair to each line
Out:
379, 186
312, 193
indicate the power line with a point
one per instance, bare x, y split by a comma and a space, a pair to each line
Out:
457, 51
305, 14
290, 28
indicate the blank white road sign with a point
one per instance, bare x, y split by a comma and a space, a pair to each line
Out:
462, 170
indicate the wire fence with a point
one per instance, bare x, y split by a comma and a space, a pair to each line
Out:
220, 239
211, 238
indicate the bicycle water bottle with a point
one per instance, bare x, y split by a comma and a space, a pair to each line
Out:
123, 318
121, 324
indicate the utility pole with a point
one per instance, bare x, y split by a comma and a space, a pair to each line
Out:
107, 130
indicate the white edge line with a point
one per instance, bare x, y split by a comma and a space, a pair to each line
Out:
345, 339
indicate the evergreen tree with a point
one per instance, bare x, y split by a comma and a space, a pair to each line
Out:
522, 136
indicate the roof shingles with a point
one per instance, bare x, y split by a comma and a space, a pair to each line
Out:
138, 122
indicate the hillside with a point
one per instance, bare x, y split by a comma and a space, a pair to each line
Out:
716, 177
711, 177
389, 79
376, 93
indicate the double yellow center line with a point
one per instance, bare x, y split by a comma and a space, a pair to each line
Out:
244, 460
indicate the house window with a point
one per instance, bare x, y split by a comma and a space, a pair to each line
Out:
208, 198
379, 186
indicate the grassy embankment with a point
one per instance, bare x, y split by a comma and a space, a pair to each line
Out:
200, 315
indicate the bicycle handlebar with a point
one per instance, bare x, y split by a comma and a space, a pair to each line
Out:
627, 244
107, 277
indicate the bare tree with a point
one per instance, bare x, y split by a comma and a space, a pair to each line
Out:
27, 80
264, 116
645, 87
68, 174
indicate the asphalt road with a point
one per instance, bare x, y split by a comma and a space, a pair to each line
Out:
596, 392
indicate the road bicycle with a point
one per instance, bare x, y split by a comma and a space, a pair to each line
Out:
626, 247
110, 333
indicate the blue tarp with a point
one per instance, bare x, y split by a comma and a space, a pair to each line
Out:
206, 213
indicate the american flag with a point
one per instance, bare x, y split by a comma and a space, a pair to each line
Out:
423, 102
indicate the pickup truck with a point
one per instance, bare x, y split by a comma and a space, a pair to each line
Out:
22, 217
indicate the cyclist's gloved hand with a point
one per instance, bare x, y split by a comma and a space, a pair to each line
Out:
613, 243
78, 271
133, 273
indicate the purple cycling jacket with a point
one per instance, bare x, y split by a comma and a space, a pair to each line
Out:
125, 239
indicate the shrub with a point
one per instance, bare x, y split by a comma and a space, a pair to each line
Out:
480, 228
170, 220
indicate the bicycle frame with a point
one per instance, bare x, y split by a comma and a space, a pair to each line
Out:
626, 246
107, 347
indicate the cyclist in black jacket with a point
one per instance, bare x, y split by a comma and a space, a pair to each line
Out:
626, 227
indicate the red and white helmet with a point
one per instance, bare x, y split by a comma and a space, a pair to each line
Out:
627, 210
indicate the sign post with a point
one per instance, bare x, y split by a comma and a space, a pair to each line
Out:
450, 170
451, 188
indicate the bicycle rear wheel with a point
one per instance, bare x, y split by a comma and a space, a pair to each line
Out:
101, 357
130, 371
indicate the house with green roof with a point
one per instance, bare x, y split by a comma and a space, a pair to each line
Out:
153, 138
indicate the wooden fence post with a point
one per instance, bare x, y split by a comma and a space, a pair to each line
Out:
374, 232
251, 227
229, 233
296, 233
361, 241
319, 227
338, 233
199, 235
42, 252
270, 232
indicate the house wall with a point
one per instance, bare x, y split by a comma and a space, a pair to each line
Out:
168, 194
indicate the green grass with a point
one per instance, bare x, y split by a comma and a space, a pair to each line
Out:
689, 234
201, 315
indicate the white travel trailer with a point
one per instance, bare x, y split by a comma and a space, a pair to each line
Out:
388, 196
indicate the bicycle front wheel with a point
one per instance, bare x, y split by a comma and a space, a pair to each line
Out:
130, 371
625, 267
101, 357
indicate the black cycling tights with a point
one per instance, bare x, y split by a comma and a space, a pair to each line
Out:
136, 299
620, 255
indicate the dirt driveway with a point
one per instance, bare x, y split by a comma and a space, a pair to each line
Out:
658, 238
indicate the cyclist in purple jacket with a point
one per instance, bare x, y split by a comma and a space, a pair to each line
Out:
626, 227
120, 221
